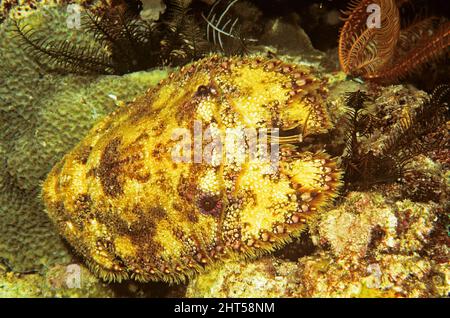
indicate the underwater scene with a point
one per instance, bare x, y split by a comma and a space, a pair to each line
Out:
224, 149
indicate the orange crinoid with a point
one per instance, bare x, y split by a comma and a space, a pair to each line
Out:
374, 46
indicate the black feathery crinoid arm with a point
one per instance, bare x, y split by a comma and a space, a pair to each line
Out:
127, 42
63, 56
355, 100
196, 46
133, 43
358, 122
174, 10
418, 133
182, 39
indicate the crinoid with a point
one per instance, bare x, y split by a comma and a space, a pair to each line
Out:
388, 51
417, 133
128, 42
357, 121
223, 29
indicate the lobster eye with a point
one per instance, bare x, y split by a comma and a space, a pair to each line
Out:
204, 91
209, 204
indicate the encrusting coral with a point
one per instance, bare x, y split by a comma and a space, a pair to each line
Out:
72, 280
369, 248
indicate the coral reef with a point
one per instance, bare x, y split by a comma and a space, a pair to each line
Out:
28, 241
19, 9
379, 255
124, 41
385, 237
266, 277
380, 132
297, 45
72, 280
366, 219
